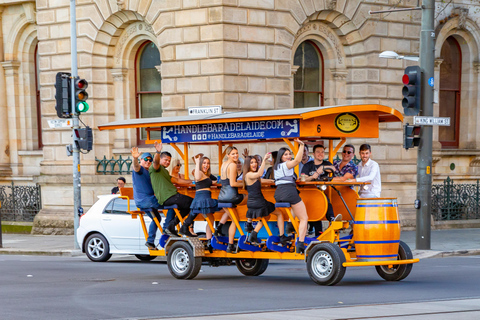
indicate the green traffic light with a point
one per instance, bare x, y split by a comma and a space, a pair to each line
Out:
82, 107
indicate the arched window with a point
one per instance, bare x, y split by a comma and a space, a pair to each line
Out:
38, 105
308, 80
148, 86
450, 89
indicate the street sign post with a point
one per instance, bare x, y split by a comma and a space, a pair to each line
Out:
431, 121
60, 123
193, 111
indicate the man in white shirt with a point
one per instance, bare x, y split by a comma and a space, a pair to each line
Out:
368, 171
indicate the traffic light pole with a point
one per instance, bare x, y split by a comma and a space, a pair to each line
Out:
77, 194
424, 158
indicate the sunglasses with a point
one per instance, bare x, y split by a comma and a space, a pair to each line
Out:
179, 165
347, 152
148, 159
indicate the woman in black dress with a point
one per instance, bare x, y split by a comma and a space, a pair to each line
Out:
257, 206
287, 189
229, 193
203, 201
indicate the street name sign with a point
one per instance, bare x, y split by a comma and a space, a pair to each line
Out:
431, 121
194, 111
60, 123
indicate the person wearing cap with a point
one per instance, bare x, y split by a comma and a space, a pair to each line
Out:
165, 190
143, 193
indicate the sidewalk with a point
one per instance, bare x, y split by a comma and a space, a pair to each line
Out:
444, 243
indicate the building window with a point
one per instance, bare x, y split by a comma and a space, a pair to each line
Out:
450, 89
37, 101
148, 86
308, 80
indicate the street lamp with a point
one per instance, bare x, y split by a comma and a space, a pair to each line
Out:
394, 55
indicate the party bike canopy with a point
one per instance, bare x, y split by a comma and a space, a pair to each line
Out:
347, 121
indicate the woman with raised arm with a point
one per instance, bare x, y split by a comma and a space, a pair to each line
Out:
229, 193
286, 191
203, 201
257, 206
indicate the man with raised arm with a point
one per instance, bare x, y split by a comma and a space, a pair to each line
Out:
165, 191
143, 193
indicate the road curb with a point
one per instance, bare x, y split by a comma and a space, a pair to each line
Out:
427, 254
67, 253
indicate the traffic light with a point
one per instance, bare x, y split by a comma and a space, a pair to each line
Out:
411, 136
83, 138
81, 95
63, 95
412, 90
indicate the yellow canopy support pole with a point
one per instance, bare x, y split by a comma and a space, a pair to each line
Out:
220, 157
339, 145
185, 160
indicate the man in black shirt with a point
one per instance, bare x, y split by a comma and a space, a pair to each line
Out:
315, 171
120, 184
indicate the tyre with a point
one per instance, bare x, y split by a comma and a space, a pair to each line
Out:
97, 248
252, 267
145, 257
325, 264
400, 271
182, 264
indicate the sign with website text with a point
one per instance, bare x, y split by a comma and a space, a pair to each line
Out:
248, 130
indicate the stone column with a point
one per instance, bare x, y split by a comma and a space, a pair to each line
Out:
120, 90
5, 169
339, 94
476, 97
293, 71
11, 92
436, 106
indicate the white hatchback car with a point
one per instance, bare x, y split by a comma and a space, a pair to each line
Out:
107, 228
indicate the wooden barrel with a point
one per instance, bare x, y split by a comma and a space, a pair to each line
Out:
376, 231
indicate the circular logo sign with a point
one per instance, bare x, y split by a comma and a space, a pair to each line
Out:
347, 122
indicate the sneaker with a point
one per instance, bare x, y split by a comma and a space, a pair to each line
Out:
252, 238
300, 247
249, 227
218, 231
339, 217
186, 231
231, 248
208, 246
150, 246
289, 228
284, 239
171, 230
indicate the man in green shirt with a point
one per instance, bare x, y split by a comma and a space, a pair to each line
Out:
165, 190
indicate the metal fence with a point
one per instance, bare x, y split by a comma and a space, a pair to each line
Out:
112, 166
19, 203
459, 201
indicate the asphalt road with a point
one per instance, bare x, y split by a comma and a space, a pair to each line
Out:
36, 287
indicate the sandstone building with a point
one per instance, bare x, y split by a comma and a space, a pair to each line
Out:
145, 58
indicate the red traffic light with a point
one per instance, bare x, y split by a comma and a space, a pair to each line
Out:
405, 79
81, 84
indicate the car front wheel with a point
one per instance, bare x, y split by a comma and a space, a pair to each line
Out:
97, 248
